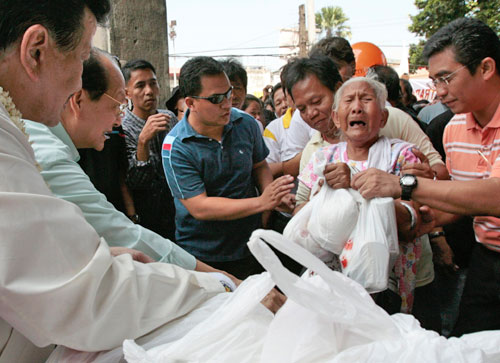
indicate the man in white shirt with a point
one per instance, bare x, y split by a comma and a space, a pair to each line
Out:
59, 283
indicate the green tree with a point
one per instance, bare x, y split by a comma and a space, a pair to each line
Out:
434, 14
331, 20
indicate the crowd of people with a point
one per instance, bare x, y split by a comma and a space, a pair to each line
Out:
115, 211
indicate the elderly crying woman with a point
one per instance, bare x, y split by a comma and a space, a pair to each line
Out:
359, 111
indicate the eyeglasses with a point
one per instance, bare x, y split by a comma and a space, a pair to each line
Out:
218, 98
444, 81
122, 106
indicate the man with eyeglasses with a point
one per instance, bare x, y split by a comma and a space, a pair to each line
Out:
86, 122
214, 159
145, 127
464, 63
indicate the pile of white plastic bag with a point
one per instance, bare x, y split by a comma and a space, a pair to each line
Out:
327, 318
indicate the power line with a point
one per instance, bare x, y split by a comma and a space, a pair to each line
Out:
230, 49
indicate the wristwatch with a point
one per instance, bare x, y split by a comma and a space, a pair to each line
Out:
135, 218
408, 182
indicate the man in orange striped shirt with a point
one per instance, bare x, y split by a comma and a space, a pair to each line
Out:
464, 64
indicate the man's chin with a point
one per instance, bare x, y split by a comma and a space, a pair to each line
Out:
50, 122
150, 106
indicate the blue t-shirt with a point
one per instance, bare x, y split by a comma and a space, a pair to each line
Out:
194, 164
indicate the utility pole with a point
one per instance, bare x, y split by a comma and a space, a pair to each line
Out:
172, 35
138, 30
302, 32
311, 23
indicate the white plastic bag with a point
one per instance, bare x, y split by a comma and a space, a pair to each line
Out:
324, 314
371, 250
333, 217
297, 231
327, 318
233, 333
330, 318
325, 223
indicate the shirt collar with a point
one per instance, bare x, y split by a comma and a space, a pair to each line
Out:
471, 123
187, 131
316, 138
62, 135
287, 118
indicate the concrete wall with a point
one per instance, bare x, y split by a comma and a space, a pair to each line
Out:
138, 29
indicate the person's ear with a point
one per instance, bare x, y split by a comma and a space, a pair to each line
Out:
33, 50
336, 120
488, 68
75, 102
385, 117
189, 103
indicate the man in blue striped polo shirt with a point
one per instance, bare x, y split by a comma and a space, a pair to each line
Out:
214, 161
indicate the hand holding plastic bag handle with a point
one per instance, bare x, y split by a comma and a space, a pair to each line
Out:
347, 302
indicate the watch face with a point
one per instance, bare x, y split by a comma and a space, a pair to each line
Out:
408, 180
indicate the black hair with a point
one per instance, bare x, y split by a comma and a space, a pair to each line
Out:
284, 69
94, 76
235, 71
321, 66
134, 65
269, 102
389, 77
61, 18
408, 91
193, 70
470, 39
337, 48
251, 98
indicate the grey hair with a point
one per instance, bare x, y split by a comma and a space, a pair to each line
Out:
377, 87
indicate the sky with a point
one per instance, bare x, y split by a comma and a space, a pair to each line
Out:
224, 27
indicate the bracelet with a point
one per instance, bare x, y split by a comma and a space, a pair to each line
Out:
433, 235
413, 215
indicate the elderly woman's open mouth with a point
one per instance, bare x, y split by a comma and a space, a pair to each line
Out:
357, 123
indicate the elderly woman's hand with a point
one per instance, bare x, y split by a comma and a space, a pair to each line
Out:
373, 183
338, 175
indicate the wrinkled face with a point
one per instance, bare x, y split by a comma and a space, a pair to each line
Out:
314, 102
359, 115
239, 93
62, 75
254, 110
463, 91
97, 118
280, 104
143, 90
203, 112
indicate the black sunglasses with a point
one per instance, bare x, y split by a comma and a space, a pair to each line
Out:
217, 98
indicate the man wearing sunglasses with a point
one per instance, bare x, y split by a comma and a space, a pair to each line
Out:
214, 159
86, 121
464, 64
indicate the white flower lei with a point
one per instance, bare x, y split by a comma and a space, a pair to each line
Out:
15, 115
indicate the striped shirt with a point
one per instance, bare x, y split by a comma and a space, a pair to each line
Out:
462, 139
